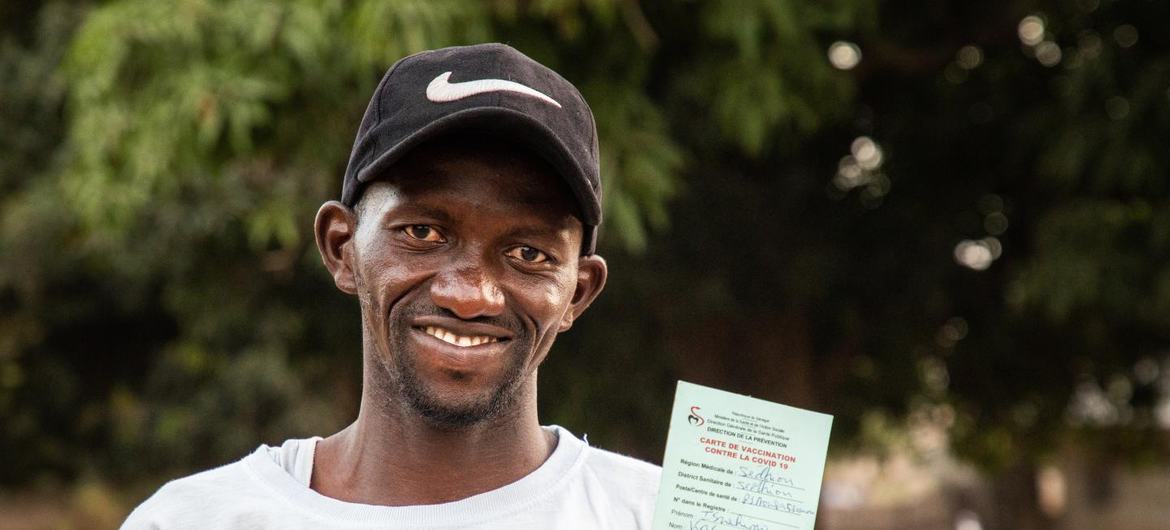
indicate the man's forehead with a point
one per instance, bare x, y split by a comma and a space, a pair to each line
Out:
482, 169
457, 202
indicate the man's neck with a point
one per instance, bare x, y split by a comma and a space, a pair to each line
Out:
390, 457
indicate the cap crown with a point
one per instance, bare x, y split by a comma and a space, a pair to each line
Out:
491, 88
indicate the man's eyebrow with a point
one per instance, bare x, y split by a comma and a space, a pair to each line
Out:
437, 214
559, 234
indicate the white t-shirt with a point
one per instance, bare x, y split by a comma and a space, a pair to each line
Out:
577, 487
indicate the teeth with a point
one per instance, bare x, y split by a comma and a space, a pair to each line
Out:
458, 340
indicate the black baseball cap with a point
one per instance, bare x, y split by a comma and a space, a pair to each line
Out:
485, 87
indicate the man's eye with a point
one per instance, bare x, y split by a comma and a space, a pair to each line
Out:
424, 233
528, 255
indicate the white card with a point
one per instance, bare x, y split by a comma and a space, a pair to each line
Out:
737, 462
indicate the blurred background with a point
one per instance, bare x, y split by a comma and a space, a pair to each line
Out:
944, 222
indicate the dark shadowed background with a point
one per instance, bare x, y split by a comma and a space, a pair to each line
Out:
945, 222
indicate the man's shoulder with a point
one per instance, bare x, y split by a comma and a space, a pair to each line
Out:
189, 499
619, 464
629, 476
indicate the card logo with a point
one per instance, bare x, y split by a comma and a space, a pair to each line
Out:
694, 418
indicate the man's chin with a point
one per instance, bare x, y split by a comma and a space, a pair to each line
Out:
454, 412
448, 399
450, 417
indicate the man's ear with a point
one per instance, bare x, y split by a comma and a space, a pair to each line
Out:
334, 228
591, 274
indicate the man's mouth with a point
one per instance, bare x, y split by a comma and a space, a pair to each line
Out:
463, 341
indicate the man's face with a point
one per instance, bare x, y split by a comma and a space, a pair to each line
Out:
465, 262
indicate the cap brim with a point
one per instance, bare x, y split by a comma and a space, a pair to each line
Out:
520, 127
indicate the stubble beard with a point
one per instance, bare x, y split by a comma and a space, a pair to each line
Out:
401, 372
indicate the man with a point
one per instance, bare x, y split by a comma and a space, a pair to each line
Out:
466, 230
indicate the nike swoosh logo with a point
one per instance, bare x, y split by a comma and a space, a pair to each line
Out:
440, 91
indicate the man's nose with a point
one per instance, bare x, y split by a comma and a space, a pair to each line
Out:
469, 292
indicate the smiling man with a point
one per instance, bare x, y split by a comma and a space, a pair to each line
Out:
467, 232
